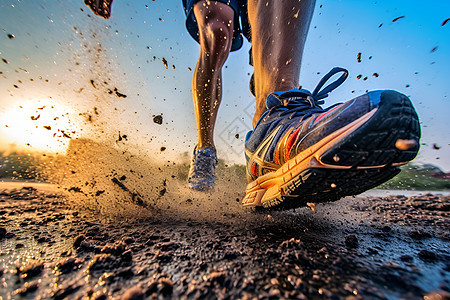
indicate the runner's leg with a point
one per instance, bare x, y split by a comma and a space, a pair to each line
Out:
279, 30
215, 23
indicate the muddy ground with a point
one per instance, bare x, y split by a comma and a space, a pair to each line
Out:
365, 247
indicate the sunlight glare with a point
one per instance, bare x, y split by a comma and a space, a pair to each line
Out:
39, 125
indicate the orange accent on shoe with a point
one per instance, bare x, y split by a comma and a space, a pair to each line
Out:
289, 143
254, 169
276, 157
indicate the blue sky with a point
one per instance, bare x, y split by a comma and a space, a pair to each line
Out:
46, 44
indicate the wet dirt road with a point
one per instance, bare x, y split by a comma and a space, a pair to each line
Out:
366, 247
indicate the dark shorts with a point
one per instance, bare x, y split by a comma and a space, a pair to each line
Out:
241, 24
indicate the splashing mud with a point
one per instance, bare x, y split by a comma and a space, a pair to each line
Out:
115, 181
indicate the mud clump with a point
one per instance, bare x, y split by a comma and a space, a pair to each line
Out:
68, 265
351, 241
31, 270
27, 288
158, 119
134, 293
427, 255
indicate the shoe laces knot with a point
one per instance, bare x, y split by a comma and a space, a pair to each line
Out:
294, 98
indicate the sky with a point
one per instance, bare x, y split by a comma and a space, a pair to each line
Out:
65, 66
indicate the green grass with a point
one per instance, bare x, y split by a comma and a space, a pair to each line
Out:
416, 178
18, 165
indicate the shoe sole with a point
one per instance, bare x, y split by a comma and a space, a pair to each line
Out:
358, 157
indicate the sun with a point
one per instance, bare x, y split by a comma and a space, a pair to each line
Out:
39, 125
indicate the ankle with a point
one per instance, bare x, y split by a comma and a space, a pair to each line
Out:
205, 145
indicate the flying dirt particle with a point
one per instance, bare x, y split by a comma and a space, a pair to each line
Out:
10, 36
405, 144
135, 197
5, 61
162, 192
48, 127
158, 119
333, 185
311, 205
16, 86
358, 57
336, 158
93, 84
370, 57
163, 148
379, 26
445, 21
118, 94
65, 134
434, 49
398, 18
375, 75
436, 146
359, 76
237, 135
407, 85
34, 118
122, 137
189, 69
164, 61
365, 78
173, 67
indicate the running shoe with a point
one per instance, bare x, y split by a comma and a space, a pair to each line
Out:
202, 170
300, 152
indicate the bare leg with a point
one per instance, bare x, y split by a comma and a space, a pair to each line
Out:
279, 30
101, 8
215, 22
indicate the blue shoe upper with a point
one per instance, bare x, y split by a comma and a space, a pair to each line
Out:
294, 121
202, 169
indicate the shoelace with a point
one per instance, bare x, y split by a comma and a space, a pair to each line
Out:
303, 103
